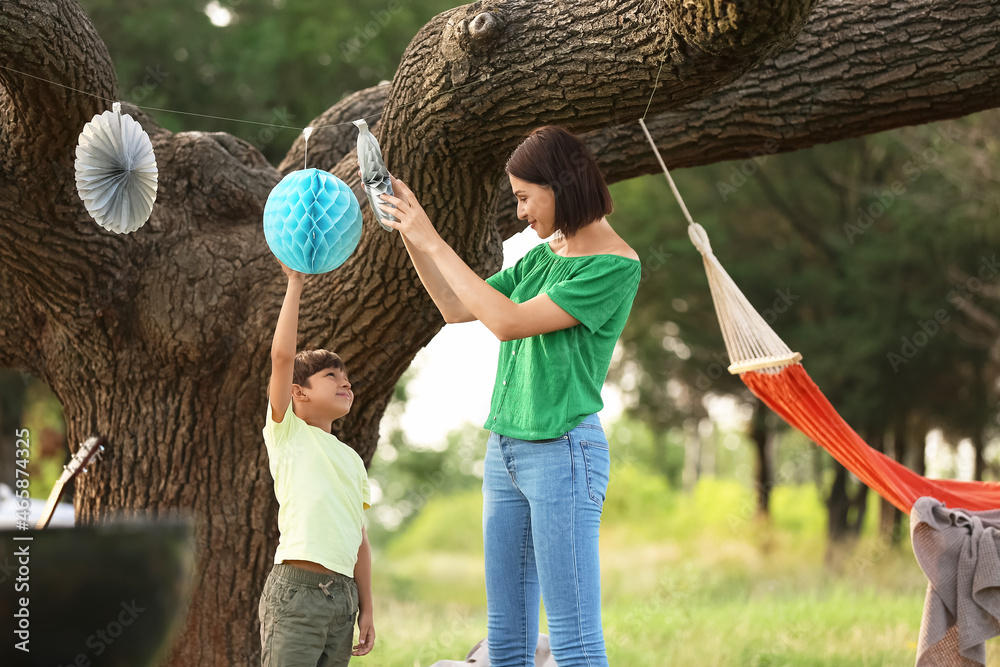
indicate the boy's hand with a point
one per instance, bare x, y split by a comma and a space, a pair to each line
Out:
366, 632
291, 273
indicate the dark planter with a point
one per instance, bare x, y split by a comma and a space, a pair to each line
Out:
102, 596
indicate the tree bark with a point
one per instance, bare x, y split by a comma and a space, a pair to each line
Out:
856, 68
159, 339
835, 82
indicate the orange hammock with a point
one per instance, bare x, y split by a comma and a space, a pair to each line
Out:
793, 395
773, 373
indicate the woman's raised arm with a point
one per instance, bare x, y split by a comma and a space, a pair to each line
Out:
451, 307
504, 318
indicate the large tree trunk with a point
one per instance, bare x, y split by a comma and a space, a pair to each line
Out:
159, 339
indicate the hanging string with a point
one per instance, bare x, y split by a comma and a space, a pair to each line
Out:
663, 59
750, 343
308, 130
693, 227
146, 108
305, 152
666, 173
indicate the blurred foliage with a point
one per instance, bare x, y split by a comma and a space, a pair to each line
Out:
859, 253
407, 476
675, 567
274, 62
43, 417
27, 403
641, 507
637, 443
449, 522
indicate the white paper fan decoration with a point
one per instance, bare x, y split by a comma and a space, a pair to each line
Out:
116, 171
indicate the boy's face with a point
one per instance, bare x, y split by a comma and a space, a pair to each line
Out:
330, 392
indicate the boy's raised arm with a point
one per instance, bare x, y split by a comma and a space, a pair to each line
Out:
279, 390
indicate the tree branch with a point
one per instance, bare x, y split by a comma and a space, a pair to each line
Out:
53, 40
496, 71
328, 145
857, 68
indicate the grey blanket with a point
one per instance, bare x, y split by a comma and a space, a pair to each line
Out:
959, 551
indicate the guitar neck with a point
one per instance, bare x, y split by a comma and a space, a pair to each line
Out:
87, 452
50, 505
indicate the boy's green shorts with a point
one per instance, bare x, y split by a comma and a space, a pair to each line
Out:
306, 618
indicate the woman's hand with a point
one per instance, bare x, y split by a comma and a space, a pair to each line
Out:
412, 221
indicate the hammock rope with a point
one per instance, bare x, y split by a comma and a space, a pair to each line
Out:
750, 342
773, 372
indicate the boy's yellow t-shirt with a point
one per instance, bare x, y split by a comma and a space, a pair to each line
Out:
322, 490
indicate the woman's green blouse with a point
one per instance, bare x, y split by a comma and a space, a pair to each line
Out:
547, 384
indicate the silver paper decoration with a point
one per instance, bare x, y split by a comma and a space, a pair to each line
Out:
374, 175
116, 171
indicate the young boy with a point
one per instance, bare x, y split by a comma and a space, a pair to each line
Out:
322, 572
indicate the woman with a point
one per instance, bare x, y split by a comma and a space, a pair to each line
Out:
558, 312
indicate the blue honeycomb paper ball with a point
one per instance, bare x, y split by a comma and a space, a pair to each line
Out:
312, 221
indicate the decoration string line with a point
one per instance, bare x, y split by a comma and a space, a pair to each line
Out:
487, 77
107, 99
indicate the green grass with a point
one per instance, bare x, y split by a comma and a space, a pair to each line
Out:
687, 580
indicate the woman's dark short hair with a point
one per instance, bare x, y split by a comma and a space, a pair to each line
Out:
310, 362
552, 157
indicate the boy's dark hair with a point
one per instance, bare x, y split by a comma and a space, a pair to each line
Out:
552, 157
310, 362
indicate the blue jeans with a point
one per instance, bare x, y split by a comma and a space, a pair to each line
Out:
541, 520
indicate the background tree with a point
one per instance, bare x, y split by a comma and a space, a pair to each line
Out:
158, 339
407, 476
861, 264
275, 63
